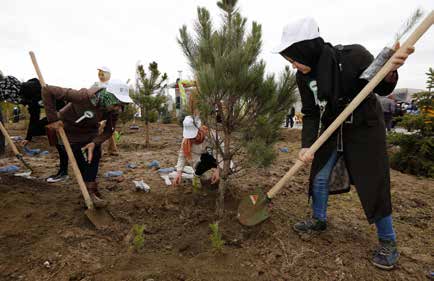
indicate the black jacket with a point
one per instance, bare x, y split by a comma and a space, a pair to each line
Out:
364, 141
31, 97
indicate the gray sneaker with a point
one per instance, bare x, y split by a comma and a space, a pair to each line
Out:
310, 225
386, 255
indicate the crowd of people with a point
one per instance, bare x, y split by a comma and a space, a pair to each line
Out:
393, 109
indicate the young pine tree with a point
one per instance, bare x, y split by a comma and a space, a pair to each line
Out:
232, 84
147, 94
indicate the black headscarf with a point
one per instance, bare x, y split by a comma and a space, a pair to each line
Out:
321, 58
306, 52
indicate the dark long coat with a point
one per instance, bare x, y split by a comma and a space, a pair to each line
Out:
364, 141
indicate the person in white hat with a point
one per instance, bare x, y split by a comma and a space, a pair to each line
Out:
81, 117
104, 75
195, 150
330, 75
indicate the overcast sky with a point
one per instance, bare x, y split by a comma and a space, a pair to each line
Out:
72, 38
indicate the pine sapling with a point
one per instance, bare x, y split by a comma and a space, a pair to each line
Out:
216, 237
139, 240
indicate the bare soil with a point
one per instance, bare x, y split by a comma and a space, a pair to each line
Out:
44, 234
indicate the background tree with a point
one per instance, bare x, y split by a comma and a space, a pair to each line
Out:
127, 113
148, 94
232, 86
416, 150
430, 80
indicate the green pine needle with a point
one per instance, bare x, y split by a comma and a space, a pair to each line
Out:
409, 24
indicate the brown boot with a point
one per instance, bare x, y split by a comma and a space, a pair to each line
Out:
94, 194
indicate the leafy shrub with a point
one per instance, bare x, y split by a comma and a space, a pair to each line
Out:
415, 154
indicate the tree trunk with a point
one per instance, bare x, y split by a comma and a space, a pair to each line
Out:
146, 127
220, 204
147, 133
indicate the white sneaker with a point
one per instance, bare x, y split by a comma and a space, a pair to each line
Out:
57, 178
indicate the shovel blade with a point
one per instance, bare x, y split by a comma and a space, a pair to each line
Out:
253, 209
26, 175
100, 218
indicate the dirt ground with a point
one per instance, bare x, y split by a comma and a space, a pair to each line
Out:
44, 234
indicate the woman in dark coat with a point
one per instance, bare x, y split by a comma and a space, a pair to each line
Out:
29, 94
328, 77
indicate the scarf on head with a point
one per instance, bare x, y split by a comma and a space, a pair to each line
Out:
321, 58
187, 143
10, 88
106, 99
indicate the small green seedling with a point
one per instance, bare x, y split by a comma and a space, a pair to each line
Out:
216, 237
196, 184
139, 240
117, 136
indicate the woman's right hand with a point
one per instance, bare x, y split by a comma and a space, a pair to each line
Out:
304, 156
178, 178
24, 143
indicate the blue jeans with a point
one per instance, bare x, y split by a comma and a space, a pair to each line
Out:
320, 189
320, 195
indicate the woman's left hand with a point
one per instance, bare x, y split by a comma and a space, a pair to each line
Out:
90, 147
215, 176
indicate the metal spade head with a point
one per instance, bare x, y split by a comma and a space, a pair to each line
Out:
253, 209
100, 217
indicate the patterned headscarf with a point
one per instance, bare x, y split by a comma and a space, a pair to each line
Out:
106, 99
10, 88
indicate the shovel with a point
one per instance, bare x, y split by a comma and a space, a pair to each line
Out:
254, 208
101, 218
14, 149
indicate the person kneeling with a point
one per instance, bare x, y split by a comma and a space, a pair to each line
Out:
195, 149
80, 118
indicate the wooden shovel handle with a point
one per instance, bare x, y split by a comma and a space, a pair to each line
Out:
64, 138
9, 140
78, 176
36, 66
412, 39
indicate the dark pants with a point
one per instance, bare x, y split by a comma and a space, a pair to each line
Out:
63, 159
2, 138
88, 170
388, 120
289, 121
16, 118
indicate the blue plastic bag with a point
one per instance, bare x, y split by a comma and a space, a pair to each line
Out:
111, 174
166, 170
9, 169
154, 164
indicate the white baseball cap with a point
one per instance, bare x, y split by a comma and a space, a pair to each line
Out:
120, 90
104, 68
297, 31
191, 127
